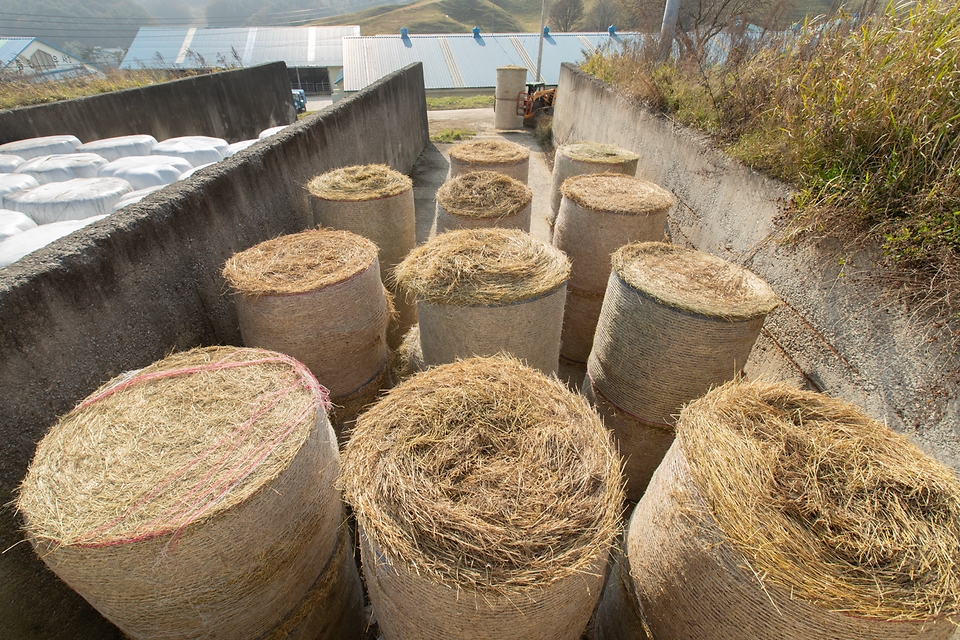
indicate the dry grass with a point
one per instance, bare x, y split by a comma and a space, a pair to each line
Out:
827, 502
359, 182
694, 281
485, 474
20, 92
596, 153
407, 359
299, 262
617, 193
177, 442
485, 152
484, 194
482, 267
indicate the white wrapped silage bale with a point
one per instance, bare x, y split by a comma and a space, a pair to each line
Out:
13, 182
44, 146
238, 146
120, 147
71, 200
136, 196
196, 150
10, 162
186, 174
266, 133
15, 247
62, 166
146, 171
14, 222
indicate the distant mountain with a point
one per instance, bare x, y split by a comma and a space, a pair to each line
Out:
106, 23
279, 12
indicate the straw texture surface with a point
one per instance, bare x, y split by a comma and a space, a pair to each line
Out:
483, 199
482, 267
617, 193
578, 158
580, 315
488, 495
358, 183
407, 359
830, 525
502, 156
337, 328
193, 498
528, 329
346, 408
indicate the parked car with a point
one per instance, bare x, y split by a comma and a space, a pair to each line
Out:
300, 100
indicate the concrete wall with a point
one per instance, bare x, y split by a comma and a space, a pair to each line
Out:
844, 327
127, 290
234, 105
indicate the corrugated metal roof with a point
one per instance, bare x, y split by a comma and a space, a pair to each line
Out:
464, 60
172, 47
10, 48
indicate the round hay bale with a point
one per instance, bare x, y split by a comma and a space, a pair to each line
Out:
511, 82
483, 199
120, 147
487, 496
42, 146
577, 158
346, 409
781, 513
13, 182
9, 162
192, 498
599, 214
486, 291
502, 156
196, 150
407, 359
376, 202
62, 167
75, 199
674, 323
146, 171
618, 617
316, 296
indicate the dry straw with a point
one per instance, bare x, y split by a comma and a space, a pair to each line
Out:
578, 158
359, 182
206, 478
486, 476
407, 359
616, 193
299, 262
826, 502
488, 152
482, 267
484, 194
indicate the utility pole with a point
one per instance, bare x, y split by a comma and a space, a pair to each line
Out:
543, 23
668, 29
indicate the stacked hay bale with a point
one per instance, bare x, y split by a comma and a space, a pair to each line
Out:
502, 156
487, 497
579, 158
507, 107
317, 296
195, 498
599, 214
674, 323
196, 150
146, 171
75, 199
376, 202
486, 291
781, 513
62, 167
42, 146
120, 147
407, 359
483, 199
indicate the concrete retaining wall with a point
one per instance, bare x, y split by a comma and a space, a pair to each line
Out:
844, 326
234, 105
127, 290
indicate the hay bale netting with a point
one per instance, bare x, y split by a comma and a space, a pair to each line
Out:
120, 146
483, 199
485, 291
599, 214
502, 156
487, 497
376, 202
62, 167
578, 158
781, 513
42, 146
511, 82
195, 498
317, 296
674, 323
75, 199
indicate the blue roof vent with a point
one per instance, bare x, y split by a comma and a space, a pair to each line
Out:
612, 30
403, 32
546, 30
476, 32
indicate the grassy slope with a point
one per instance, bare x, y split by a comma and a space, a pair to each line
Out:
446, 16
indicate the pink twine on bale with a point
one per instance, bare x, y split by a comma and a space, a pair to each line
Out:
226, 482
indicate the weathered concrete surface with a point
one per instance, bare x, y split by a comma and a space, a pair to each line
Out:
234, 105
129, 289
842, 328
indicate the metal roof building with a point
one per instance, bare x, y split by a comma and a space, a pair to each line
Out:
312, 54
35, 58
452, 62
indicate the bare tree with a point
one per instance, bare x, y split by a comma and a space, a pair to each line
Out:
565, 14
603, 14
